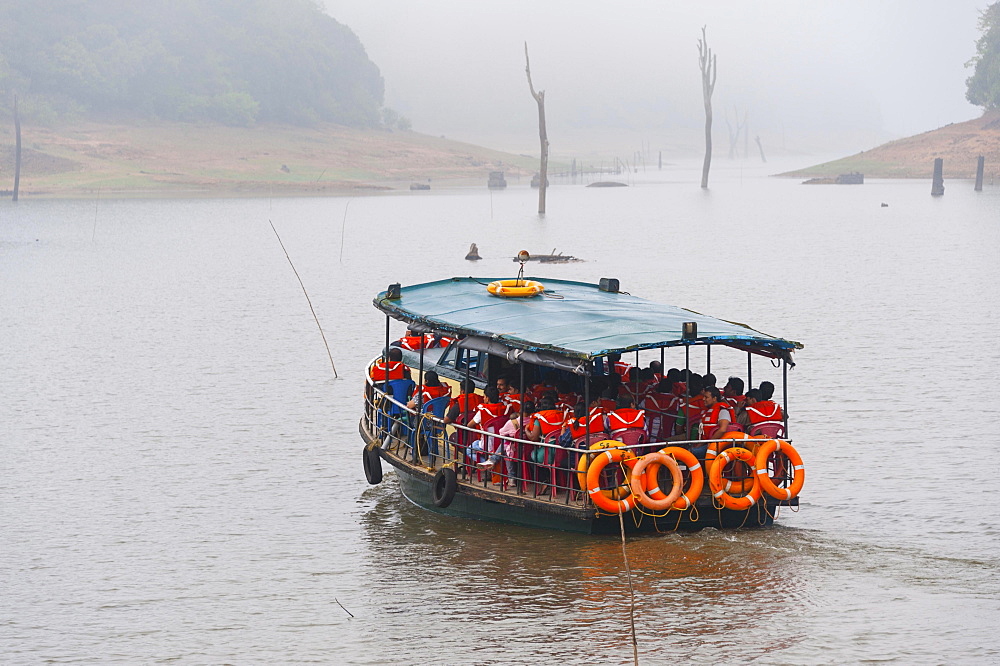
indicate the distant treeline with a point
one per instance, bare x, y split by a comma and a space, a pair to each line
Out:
227, 61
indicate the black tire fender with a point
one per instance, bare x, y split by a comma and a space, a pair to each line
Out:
444, 486
373, 466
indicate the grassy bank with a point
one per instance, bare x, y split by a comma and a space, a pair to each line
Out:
958, 144
171, 159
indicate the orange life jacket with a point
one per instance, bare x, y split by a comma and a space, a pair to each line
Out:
413, 342
473, 400
710, 419
736, 400
607, 404
377, 372
625, 419
578, 426
428, 393
548, 420
567, 400
765, 411
513, 400
490, 410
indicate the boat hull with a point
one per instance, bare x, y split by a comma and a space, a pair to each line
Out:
479, 501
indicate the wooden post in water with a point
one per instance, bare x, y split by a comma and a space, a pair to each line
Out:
659, 163
979, 173
17, 151
937, 188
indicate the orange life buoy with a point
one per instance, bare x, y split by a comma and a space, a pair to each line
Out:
639, 481
717, 484
799, 471
685, 460
601, 461
515, 288
714, 448
616, 493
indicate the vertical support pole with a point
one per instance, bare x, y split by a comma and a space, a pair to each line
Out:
749, 372
708, 359
687, 391
980, 162
520, 435
385, 352
463, 435
784, 391
663, 370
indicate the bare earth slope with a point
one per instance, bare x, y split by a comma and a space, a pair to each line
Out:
959, 144
168, 159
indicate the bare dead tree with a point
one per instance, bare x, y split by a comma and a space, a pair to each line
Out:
734, 137
706, 60
542, 135
761, 148
17, 151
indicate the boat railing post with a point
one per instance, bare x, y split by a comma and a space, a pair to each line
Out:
784, 391
521, 483
708, 359
749, 372
687, 391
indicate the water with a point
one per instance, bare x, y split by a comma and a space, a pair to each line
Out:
181, 474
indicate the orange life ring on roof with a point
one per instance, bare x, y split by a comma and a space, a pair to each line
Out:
594, 482
799, 471
640, 480
515, 288
685, 460
715, 482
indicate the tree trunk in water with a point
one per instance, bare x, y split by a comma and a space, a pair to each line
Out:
761, 148
708, 75
17, 151
979, 173
937, 187
543, 136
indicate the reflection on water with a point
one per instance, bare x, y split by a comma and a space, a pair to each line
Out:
181, 475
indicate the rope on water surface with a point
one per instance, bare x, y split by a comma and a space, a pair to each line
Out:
631, 592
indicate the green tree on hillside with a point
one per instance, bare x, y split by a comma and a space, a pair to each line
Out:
983, 87
228, 61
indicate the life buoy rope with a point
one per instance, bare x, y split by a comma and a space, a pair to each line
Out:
515, 288
798, 470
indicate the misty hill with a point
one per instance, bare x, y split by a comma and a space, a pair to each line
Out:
959, 144
234, 62
157, 158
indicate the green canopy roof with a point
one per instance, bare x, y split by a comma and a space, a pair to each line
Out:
571, 319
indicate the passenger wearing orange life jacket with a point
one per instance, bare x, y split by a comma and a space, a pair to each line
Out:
464, 405
626, 417
508, 395
396, 368
596, 419
432, 388
733, 393
718, 414
414, 341
765, 410
543, 423
490, 408
661, 411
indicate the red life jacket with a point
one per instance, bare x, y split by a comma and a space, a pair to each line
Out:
660, 409
679, 388
626, 419
412, 342
473, 400
621, 367
444, 341
512, 400
578, 427
736, 400
548, 420
538, 390
765, 411
567, 401
710, 419
607, 404
488, 411
428, 393
377, 372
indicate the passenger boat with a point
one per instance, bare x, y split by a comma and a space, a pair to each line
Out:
536, 330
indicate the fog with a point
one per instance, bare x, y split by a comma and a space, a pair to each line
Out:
811, 76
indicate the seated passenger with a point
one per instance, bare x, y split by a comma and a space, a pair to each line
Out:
595, 422
432, 388
691, 406
742, 415
508, 394
490, 408
733, 393
508, 450
718, 414
626, 417
608, 401
615, 366
765, 411
661, 411
464, 406
565, 397
393, 369
538, 391
541, 425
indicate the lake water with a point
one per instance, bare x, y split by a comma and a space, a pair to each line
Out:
180, 473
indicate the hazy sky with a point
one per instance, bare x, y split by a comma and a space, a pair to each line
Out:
828, 72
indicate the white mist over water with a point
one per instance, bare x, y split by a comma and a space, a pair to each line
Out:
181, 474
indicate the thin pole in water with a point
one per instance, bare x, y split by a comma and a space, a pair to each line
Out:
343, 225
308, 300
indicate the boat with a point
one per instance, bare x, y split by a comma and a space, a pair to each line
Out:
548, 330
496, 181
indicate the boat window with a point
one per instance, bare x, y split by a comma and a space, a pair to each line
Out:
473, 360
